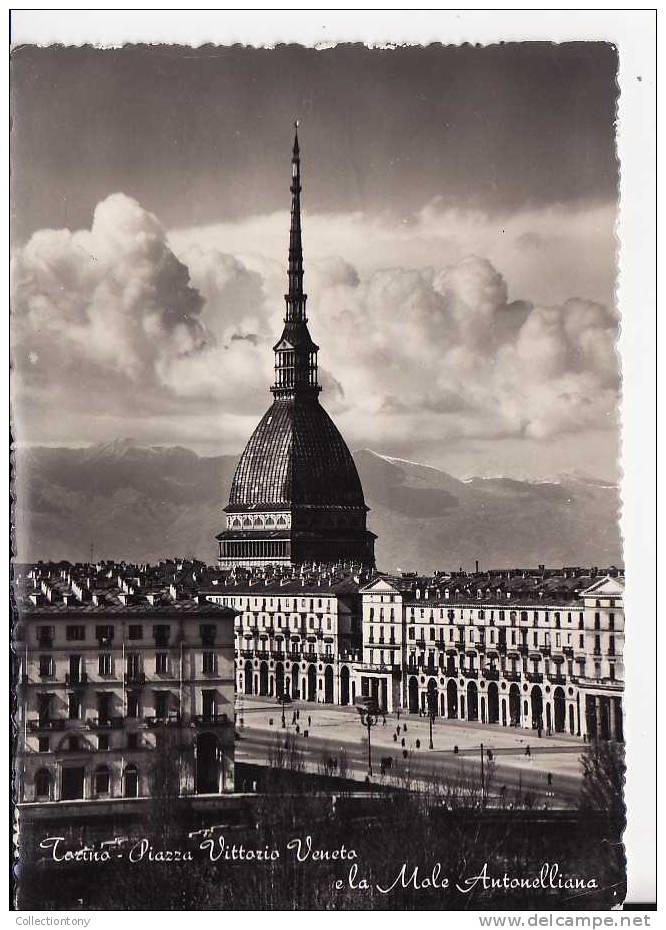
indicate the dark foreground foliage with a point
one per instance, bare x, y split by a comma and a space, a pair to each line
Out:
451, 829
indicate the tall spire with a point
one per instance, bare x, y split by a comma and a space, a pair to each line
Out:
295, 352
295, 298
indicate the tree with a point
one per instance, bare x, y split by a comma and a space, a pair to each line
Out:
602, 798
602, 789
165, 812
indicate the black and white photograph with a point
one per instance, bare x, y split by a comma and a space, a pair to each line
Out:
318, 570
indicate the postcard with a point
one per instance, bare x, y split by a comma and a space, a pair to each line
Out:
318, 576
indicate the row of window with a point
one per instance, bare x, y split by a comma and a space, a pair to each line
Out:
488, 637
264, 622
75, 744
106, 665
305, 648
76, 632
468, 664
489, 615
283, 603
101, 785
165, 703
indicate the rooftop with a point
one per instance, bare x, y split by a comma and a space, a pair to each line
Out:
177, 586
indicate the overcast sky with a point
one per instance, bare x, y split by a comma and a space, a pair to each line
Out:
459, 207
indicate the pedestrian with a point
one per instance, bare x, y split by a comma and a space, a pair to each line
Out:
528, 752
398, 713
309, 720
384, 721
550, 780
404, 727
397, 729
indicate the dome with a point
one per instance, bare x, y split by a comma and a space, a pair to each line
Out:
296, 458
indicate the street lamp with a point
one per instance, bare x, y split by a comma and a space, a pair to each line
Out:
432, 711
284, 699
368, 711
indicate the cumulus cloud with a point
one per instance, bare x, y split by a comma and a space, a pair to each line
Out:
114, 295
176, 330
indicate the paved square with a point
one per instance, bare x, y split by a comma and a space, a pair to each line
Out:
520, 756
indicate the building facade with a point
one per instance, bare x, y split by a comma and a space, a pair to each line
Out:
543, 655
296, 496
541, 650
118, 665
296, 633
119, 672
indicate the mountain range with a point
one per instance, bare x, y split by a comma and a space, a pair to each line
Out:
138, 503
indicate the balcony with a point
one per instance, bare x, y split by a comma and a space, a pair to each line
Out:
555, 679
350, 655
294, 656
47, 723
247, 653
135, 678
261, 654
105, 723
164, 720
512, 676
380, 667
535, 677
79, 679
523, 648
470, 672
544, 650
210, 720
327, 658
491, 674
